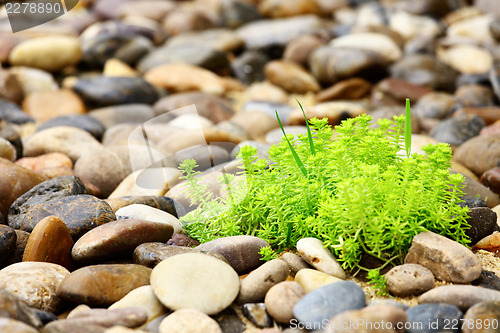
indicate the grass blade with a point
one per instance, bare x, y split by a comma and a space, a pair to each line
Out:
294, 153
408, 128
309, 134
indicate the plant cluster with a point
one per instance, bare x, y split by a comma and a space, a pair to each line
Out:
355, 191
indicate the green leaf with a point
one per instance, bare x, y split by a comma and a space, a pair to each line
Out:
408, 129
292, 150
309, 134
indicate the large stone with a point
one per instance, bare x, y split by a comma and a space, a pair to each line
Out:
103, 285
462, 296
446, 259
440, 316
482, 316
118, 239
255, 286
80, 213
195, 281
35, 283
291, 77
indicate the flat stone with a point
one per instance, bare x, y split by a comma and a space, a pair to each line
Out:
335, 112
467, 59
488, 279
80, 213
393, 91
371, 41
144, 298
241, 252
489, 114
160, 202
255, 286
290, 76
479, 154
477, 97
256, 313
374, 317
348, 89
8, 239
280, 8
462, 296
248, 67
14, 308
148, 213
299, 49
35, 283
189, 320
440, 315
50, 241
409, 279
61, 326
438, 105
84, 122
313, 252
311, 279
281, 298
46, 105
256, 123
212, 288
325, 302
118, 239
103, 285
71, 141
482, 314
446, 259
105, 91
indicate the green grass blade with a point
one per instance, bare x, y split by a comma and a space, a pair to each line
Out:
408, 129
294, 153
309, 134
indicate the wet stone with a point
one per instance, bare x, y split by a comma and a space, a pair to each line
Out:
462, 296
84, 122
457, 130
325, 302
409, 279
103, 285
118, 239
280, 300
441, 315
21, 241
483, 221
14, 308
455, 263
35, 283
8, 239
144, 212
256, 313
241, 252
104, 91
80, 213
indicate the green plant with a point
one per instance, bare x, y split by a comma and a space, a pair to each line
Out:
378, 282
356, 192
267, 253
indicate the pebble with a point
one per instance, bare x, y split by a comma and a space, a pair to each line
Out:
256, 284
34, 80
479, 153
313, 252
457, 130
490, 179
144, 298
46, 105
229, 321
348, 89
323, 303
161, 202
475, 96
474, 188
311, 279
439, 315
84, 122
9, 133
189, 320
11, 325
10, 88
148, 213
410, 26
446, 259
80, 213
151, 254
467, 59
145, 187
21, 241
8, 240
223, 40
241, 252
102, 91
409, 279
256, 123
212, 289
256, 313
438, 105
45, 161
102, 285
483, 222
275, 136
290, 76
280, 300
295, 262
299, 49
488, 279
51, 53
133, 113
462, 296
70, 141
374, 318
482, 317
249, 66
335, 112
14, 308
50, 241
35, 283
376, 42
488, 114
12, 113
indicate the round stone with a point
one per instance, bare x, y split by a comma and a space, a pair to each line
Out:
45, 105
195, 281
409, 279
281, 299
189, 320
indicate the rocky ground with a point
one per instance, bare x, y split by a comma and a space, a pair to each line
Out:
98, 108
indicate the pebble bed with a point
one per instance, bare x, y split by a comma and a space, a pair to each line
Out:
98, 108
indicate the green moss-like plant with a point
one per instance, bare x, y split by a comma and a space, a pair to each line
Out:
356, 192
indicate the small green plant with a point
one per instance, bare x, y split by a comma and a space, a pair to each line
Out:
357, 193
267, 253
378, 282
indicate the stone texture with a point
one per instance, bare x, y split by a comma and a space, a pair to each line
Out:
295, 262
446, 259
335, 112
11, 325
7, 150
103, 285
313, 252
483, 222
10, 88
35, 283
212, 288
12, 113
160, 202
46, 161
256, 284
281, 298
348, 89
409, 279
189, 320
151, 254
462, 296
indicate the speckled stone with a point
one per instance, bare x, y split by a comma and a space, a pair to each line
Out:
409, 279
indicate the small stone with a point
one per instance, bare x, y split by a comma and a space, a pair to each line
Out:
349, 89
45, 316
483, 221
80, 213
409, 25
212, 289
189, 320
34, 80
295, 262
421, 317
281, 298
241, 252
446, 259
229, 321
255, 286
299, 49
462, 296
224, 40
311, 279
9, 133
256, 313
8, 239
14, 308
118, 239
50, 241
256, 124
51, 53
371, 41
35, 283
122, 114
12, 113
313, 252
46, 105
148, 213
491, 179
265, 91
11, 325
475, 188
488, 279
237, 13
45, 161
274, 137
116, 68
323, 303
103, 285
84, 122
10, 88
70, 141
474, 28
144, 9
72, 326
160, 202
467, 59
393, 91
479, 153
144, 298
182, 21
483, 315
21, 241
475, 96
156, 182
290, 76
282, 8
489, 114
409, 279
249, 66
104, 91
334, 111
436, 105
457, 130
373, 317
